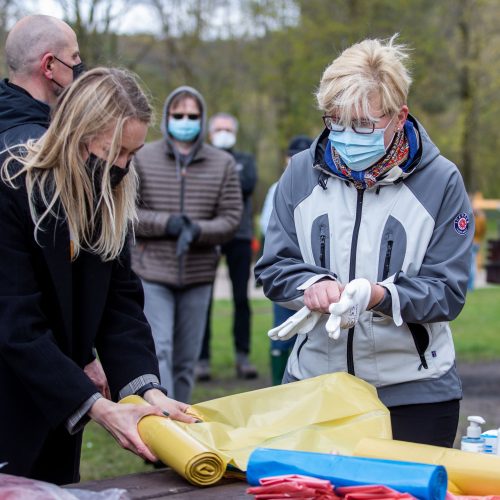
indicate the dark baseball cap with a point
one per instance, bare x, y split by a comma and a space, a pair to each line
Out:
298, 144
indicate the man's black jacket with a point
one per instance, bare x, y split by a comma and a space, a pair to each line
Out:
21, 116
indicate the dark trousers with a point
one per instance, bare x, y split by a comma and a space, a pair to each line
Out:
56, 461
432, 423
59, 461
239, 259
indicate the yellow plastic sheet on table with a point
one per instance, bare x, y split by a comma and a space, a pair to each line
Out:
170, 442
468, 473
329, 413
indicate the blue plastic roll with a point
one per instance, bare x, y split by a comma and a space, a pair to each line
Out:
420, 480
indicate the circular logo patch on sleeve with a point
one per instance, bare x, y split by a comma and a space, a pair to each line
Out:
461, 223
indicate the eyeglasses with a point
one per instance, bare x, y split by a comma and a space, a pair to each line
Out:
180, 116
359, 126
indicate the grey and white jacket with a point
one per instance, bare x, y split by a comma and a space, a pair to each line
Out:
412, 235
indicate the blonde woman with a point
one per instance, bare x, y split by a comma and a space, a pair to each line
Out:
373, 226
67, 203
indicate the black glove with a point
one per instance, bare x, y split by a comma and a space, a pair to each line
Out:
189, 233
174, 225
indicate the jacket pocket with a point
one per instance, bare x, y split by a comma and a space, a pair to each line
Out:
392, 249
387, 259
421, 339
320, 241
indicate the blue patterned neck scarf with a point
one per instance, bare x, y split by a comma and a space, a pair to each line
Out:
401, 153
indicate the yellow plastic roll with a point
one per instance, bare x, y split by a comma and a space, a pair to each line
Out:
170, 442
468, 473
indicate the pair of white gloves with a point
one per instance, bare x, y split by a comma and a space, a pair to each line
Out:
344, 314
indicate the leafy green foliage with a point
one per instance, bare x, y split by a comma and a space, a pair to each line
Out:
265, 61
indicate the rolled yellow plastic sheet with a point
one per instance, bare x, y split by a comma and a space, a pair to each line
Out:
170, 442
468, 473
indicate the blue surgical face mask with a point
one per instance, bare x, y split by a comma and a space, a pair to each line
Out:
184, 130
359, 151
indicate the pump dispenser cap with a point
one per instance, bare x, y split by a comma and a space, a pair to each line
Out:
474, 429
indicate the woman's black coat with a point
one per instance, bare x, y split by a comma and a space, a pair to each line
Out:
43, 348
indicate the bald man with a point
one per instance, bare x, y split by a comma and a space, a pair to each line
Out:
43, 58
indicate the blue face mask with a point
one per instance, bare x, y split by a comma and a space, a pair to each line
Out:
359, 151
184, 130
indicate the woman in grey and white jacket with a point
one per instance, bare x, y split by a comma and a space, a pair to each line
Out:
374, 225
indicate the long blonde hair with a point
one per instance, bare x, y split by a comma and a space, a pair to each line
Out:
100, 100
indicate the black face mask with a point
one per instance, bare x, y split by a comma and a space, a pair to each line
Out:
96, 165
78, 70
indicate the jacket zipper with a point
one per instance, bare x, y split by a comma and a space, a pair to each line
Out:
352, 275
301, 346
322, 245
387, 260
182, 257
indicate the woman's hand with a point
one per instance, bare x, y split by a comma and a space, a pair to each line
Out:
319, 296
121, 420
175, 409
95, 372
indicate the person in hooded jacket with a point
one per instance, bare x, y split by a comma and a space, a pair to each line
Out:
371, 231
189, 203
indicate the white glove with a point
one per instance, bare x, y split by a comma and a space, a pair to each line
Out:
302, 321
345, 313
333, 326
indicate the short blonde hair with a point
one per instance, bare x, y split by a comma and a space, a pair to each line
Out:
100, 100
366, 70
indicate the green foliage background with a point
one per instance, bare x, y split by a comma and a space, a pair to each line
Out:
263, 59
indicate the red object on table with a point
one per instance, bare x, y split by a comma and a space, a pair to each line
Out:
293, 486
305, 487
370, 492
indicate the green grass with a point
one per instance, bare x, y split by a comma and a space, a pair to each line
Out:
476, 334
476, 330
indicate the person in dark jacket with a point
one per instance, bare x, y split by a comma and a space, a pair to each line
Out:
36, 50
189, 203
43, 58
223, 128
66, 284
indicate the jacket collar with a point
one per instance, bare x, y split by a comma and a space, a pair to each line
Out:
18, 107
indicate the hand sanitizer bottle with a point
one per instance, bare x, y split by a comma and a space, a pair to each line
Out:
490, 441
473, 441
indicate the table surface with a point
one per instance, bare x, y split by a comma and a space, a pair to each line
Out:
166, 483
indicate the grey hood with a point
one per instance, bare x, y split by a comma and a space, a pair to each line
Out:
163, 126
